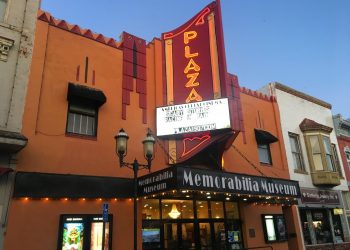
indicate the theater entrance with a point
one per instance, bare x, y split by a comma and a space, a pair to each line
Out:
190, 224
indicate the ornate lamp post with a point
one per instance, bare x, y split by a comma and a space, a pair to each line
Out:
148, 150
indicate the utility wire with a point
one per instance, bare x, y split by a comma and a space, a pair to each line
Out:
245, 158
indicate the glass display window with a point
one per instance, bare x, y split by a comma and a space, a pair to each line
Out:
177, 209
80, 232
217, 209
202, 209
232, 210
150, 209
275, 229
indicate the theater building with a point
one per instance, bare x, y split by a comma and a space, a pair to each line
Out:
219, 176
314, 161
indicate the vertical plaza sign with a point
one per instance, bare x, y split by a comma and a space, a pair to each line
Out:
197, 95
194, 58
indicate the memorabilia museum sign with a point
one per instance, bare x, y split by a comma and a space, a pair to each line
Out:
318, 196
185, 178
193, 117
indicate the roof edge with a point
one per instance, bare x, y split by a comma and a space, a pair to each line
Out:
302, 95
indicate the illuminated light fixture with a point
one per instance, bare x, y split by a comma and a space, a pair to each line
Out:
100, 199
66, 199
208, 197
166, 205
146, 205
183, 191
174, 213
187, 196
227, 198
115, 199
245, 199
46, 199
208, 193
26, 198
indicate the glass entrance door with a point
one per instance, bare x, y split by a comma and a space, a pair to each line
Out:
179, 236
171, 241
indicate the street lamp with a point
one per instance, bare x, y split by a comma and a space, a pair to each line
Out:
148, 150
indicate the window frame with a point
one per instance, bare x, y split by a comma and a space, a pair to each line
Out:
336, 159
268, 150
320, 139
347, 156
299, 152
3, 12
75, 111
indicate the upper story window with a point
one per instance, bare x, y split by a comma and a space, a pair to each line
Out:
264, 139
82, 119
319, 147
264, 153
84, 103
296, 152
347, 154
2, 8
322, 155
336, 159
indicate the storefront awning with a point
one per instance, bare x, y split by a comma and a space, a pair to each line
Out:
77, 91
41, 185
264, 137
195, 179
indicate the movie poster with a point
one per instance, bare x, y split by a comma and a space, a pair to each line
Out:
97, 236
73, 235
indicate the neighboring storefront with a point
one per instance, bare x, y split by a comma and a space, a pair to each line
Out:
320, 212
314, 161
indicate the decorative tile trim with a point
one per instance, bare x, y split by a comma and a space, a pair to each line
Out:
5, 46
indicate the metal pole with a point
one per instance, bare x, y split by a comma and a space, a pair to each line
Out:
135, 167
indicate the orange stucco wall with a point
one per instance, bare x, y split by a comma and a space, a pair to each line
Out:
57, 55
34, 224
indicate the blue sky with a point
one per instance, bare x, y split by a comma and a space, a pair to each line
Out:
304, 44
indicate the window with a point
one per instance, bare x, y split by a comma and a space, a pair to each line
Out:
330, 166
2, 8
264, 153
322, 153
346, 199
82, 119
347, 153
84, 103
296, 152
263, 140
275, 229
85, 232
336, 159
